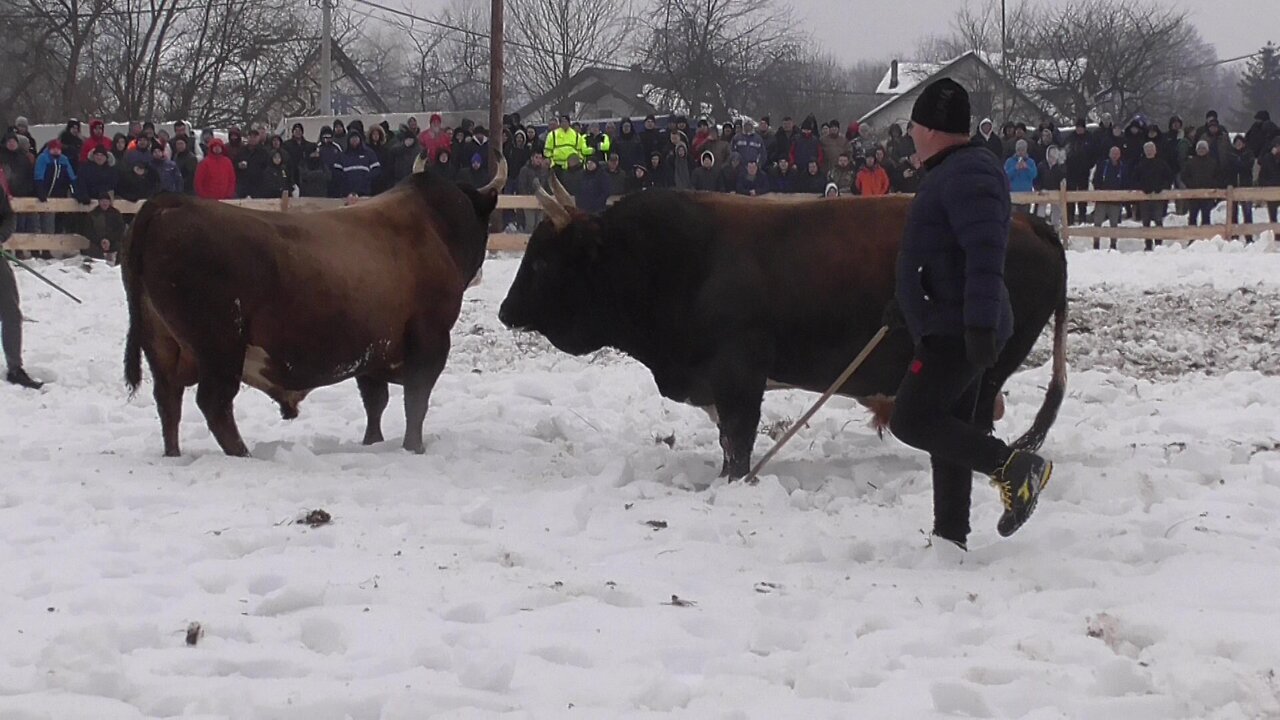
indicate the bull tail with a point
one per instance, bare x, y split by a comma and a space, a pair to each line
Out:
1057, 390
133, 252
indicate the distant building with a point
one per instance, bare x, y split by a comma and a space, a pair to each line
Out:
990, 95
597, 93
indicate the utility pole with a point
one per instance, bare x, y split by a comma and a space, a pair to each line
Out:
495, 81
326, 58
1004, 65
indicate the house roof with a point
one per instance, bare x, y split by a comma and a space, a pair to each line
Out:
942, 68
594, 83
910, 74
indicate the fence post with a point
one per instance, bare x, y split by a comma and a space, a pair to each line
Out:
1063, 213
284, 201
1231, 211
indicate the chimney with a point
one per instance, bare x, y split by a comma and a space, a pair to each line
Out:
893, 75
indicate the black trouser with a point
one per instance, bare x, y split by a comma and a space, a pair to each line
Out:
10, 317
1200, 210
934, 411
1243, 211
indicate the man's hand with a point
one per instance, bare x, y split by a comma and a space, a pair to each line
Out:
981, 347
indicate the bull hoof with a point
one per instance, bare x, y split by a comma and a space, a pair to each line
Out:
373, 438
416, 448
172, 453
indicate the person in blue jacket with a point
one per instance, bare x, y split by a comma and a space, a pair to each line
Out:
952, 296
358, 167
1021, 171
55, 178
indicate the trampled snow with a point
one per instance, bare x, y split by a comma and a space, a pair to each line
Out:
563, 550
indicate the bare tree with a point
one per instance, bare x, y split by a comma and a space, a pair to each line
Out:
549, 41
714, 55
449, 66
818, 83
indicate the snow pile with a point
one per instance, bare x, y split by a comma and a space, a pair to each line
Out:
564, 549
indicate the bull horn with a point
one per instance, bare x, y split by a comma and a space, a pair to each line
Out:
562, 196
499, 180
419, 164
555, 211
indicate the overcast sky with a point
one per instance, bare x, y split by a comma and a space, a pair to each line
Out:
882, 29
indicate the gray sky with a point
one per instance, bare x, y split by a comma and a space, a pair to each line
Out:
880, 30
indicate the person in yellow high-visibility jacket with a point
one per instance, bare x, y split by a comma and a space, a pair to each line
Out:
562, 143
595, 144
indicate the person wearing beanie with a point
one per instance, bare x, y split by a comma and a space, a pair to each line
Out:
10, 305
96, 177
1260, 134
358, 168
104, 227
807, 147
563, 143
952, 297
296, 148
330, 151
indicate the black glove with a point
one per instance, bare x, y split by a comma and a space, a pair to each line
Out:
981, 347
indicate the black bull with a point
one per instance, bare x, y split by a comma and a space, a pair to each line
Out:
723, 297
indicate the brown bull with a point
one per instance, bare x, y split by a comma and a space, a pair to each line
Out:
286, 303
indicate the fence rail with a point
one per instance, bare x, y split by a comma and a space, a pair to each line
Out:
515, 242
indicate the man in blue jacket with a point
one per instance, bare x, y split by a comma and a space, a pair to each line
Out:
952, 295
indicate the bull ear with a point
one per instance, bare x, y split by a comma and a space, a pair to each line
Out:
562, 195
555, 211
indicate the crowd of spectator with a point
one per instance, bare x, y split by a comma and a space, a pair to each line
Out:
600, 160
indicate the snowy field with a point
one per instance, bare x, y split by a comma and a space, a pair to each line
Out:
562, 552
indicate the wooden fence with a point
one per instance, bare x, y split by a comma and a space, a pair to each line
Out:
515, 242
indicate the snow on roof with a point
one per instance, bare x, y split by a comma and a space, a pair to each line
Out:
910, 74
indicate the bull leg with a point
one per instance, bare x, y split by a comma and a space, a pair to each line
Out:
375, 396
738, 391
168, 394
984, 416
215, 395
421, 374
164, 357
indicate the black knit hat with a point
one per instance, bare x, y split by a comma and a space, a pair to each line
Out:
943, 106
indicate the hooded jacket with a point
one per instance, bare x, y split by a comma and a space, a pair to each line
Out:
704, 178
187, 165
806, 147
275, 180
93, 141
169, 174
990, 141
54, 177
1261, 134
215, 175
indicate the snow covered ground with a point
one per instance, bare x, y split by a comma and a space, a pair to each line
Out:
552, 557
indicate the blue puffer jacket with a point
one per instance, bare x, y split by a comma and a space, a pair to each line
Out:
951, 263
358, 167
54, 176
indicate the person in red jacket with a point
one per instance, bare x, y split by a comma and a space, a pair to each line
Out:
435, 138
97, 138
216, 176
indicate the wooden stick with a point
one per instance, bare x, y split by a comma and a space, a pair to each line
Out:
1063, 222
840, 381
1231, 211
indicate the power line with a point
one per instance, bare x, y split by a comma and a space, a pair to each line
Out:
118, 13
609, 64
